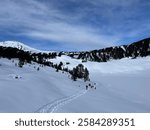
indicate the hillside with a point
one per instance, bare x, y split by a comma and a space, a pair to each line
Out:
22, 46
121, 86
137, 49
18, 45
26, 89
47, 82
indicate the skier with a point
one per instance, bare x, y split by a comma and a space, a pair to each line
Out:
92, 86
86, 87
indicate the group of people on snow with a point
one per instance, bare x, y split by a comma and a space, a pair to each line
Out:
89, 86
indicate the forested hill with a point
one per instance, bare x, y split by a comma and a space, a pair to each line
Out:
136, 49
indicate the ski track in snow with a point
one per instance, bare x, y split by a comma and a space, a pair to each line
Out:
54, 106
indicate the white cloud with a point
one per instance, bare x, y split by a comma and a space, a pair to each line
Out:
41, 20
71, 34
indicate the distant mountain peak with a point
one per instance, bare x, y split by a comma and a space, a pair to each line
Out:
19, 45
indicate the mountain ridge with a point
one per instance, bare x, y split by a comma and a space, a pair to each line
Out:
136, 49
39, 82
19, 45
22, 46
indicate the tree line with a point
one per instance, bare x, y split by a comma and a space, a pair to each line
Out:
41, 58
134, 50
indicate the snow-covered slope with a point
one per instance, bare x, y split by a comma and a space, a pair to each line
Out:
22, 46
125, 65
28, 90
121, 86
19, 45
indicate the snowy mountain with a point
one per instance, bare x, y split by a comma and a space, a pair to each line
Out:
22, 46
18, 45
134, 50
43, 82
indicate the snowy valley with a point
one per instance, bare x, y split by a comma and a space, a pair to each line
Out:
119, 85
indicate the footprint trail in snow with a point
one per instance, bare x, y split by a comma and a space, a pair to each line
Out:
54, 106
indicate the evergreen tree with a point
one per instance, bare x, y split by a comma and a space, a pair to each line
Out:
80, 72
86, 74
74, 74
38, 69
60, 66
20, 63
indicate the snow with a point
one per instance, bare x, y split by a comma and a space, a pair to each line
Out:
115, 93
52, 107
73, 62
21, 46
34, 89
121, 86
124, 65
123, 48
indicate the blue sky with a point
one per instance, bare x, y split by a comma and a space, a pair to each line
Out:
74, 24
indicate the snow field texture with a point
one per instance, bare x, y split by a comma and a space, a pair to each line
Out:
121, 86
